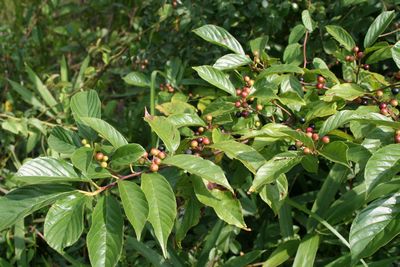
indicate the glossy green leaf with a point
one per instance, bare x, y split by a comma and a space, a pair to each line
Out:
296, 33
224, 203
165, 129
135, 205
206, 169
47, 170
42, 89
307, 251
150, 254
64, 221
232, 61
293, 54
137, 79
282, 253
105, 237
321, 109
219, 36
380, 55
273, 168
25, 200
342, 36
191, 217
127, 154
83, 160
186, 119
162, 206
347, 91
63, 141
396, 53
275, 194
382, 166
336, 152
307, 20
216, 77
86, 104
375, 226
244, 153
378, 27
107, 131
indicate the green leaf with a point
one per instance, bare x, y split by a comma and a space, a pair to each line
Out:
347, 91
378, 27
232, 61
191, 217
81, 75
204, 168
135, 205
379, 55
307, 251
186, 119
105, 237
293, 54
244, 153
375, 226
63, 141
167, 131
86, 104
127, 154
149, 253
336, 152
216, 77
107, 131
47, 170
219, 36
275, 194
42, 89
64, 221
342, 36
321, 109
83, 160
162, 206
396, 53
281, 68
27, 96
225, 205
272, 169
382, 166
137, 79
307, 20
296, 33
245, 260
282, 253
25, 200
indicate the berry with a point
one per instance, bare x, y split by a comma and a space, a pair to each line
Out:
298, 143
306, 151
154, 151
161, 147
302, 120
244, 94
347, 58
238, 114
257, 124
206, 141
200, 130
356, 49
238, 92
84, 142
319, 85
384, 111
309, 134
383, 105
245, 104
397, 138
379, 93
157, 161
246, 89
200, 140
154, 167
360, 54
325, 139
103, 164
292, 147
259, 107
237, 104
162, 155
309, 129
105, 158
315, 136
211, 186
364, 102
99, 156
87, 145
395, 91
394, 102
320, 79
246, 79
398, 132
209, 118
312, 125
194, 144
188, 151
251, 83
366, 66
141, 161
245, 113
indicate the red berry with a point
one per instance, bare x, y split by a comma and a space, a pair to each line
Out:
319, 85
99, 156
315, 136
244, 94
397, 138
382, 105
154, 151
356, 49
154, 167
348, 58
246, 89
309, 130
245, 113
298, 143
162, 155
157, 161
306, 151
360, 54
384, 111
237, 104
245, 104
206, 141
366, 66
325, 139
320, 79
200, 140
394, 102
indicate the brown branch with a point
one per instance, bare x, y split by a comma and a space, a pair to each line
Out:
305, 50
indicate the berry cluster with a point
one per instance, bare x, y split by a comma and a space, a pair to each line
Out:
243, 103
154, 158
142, 63
357, 54
313, 135
102, 159
320, 82
197, 145
167, 87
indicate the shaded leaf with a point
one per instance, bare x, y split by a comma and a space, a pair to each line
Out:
127, 154
378, 26
216, 77
137, 79
63, 141
342, 36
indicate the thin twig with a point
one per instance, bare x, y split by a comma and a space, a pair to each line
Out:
305, 50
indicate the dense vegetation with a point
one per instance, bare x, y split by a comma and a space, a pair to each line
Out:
204, 133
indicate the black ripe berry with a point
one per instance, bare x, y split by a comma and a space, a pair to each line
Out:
312, 125
395, 90
302, 120
364, 102
161, 147
238, 114
245, 113
292, 147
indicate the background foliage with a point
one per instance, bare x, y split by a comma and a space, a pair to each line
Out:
66, 64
